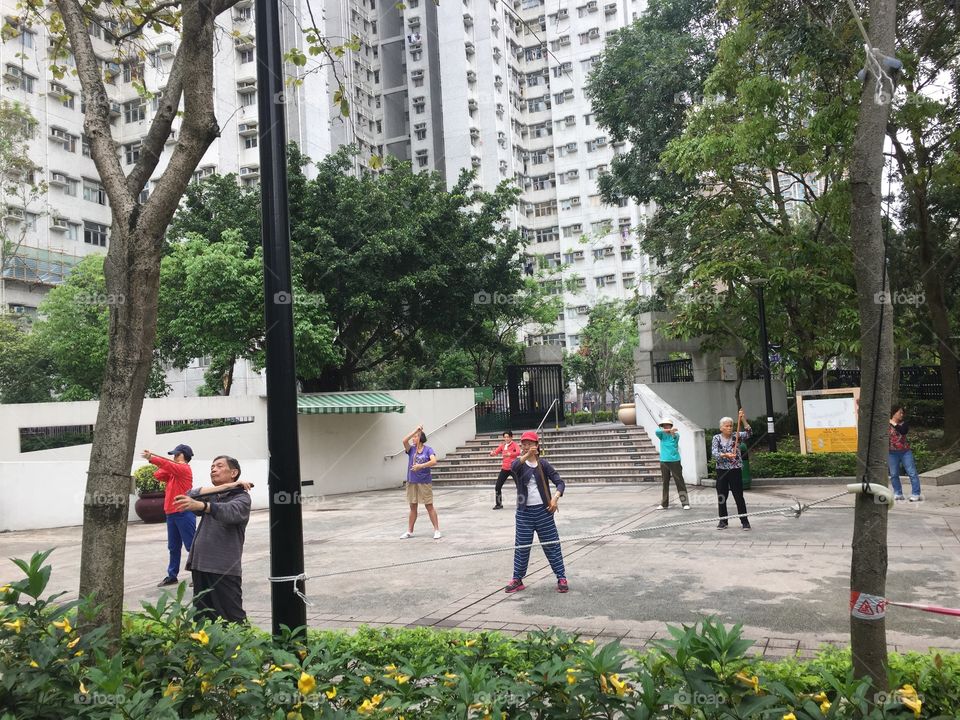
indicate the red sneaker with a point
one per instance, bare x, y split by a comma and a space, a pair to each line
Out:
516, 585
562, 586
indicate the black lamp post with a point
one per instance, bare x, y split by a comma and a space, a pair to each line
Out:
757, 285
286, 519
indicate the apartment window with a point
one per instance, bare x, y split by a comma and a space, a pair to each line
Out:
416, 55
248, 98
64, 96
626, 253
545, 208
598, 253
246, 56
539, 157
250, 142
596, 172
600, 281
73, 232
422, 159
70, 187
543, 182
244, 13
132, 71
15, 76
538, 104
542, 235
94, 192
94, 30
132, 152
94, 233
562, 69
572, 230
542, 130
420, 131
419, 105
85, 146
601, 227
134, 111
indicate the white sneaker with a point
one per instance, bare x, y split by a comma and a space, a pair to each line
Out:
916, 498
406, 535
686, 507
437, 535
661, 507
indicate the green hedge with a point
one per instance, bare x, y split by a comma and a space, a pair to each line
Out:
33, 443
166, 666
791, 464
584, 416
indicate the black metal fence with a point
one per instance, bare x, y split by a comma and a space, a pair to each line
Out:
674, 371
523, 401
917, 382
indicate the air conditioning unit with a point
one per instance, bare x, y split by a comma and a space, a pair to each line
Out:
565, 40
571, 147
14, 213
58, 178
248, 128
563, 14
610, 9
165, 50
115, 109
472, 104
600, 142
475, 133
608, 251
592, 6
503, 165
244, 42
527, 182
467, 19
59, 134
573, 174
250, 171
498, 82
475, 161
570, 120
414, 22
583, 309
246, 85
13, 73
171, 138
471, 76
593, 33
578, 255
469, 48
59, 223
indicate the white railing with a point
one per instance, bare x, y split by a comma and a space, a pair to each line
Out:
547, 414
436, 429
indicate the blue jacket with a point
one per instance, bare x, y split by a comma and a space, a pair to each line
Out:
522, 474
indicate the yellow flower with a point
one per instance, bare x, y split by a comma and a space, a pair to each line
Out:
5, 589
33, 663
367, 679
201, 637
789, 716
588, 642
331, 693
83, 688
64, 625
907, 691
307, 683
825, 707
571, 677
300, 653
294, 715
402, 679
73, 643
239, 689
912, 704
78, 653
620, 687
603, 683
275, 668
377, 699
16, 625
391, 668
476, 706
172, 690
257, 681
368, 706
470, 643
749, 680
450, 679
204, 686
820, 697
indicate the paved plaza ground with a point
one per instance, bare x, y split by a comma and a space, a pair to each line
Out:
786, 581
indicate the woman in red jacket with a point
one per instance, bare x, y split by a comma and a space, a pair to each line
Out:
510, 451
181, 526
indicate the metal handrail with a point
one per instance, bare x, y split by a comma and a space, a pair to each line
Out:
546, 414
439, 427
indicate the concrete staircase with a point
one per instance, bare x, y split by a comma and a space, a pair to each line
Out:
601, 453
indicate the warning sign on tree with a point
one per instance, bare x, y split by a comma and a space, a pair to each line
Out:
828, 420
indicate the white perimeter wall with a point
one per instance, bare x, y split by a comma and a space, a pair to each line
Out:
705, 403
339, 453
651, 410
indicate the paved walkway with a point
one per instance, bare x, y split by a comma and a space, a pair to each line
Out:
787, 581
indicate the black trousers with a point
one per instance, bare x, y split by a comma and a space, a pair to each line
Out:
501, 479
222, 597
731, 481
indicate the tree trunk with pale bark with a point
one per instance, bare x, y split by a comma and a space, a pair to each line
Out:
868, 572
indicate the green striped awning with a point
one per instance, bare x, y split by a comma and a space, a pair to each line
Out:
347, 402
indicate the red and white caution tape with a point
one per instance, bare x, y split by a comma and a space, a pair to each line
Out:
928, 608
873, 607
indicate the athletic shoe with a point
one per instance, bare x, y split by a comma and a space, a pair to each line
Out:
562, 586
437, 535
167, 581
721, 526
406, 535
514, 586
498, 507
686, 507
747, 526
661, 507
899, 497
916, 498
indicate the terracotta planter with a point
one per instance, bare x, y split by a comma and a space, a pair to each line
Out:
627, 414
149, 507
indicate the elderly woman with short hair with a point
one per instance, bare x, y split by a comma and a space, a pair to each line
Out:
726, 451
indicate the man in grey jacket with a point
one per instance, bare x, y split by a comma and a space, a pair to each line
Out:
217, 549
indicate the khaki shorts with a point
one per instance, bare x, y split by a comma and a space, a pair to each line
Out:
421, 493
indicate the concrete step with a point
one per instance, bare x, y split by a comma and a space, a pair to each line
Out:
439, 472
559, 464
618, 452
584, 480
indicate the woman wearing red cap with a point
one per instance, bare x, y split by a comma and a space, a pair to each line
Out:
535, 508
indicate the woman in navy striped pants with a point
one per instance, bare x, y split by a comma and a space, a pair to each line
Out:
535, 509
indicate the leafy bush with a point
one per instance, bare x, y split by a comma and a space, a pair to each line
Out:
166, 665
146, 481
33, 443
585, 416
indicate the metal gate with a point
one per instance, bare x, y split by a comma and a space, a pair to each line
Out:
521, 403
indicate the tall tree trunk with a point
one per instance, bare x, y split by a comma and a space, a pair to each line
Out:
868, 571
228, 376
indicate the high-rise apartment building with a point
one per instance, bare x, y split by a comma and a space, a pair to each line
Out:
495, 86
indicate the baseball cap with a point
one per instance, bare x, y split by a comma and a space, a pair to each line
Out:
531, 436
667, 421
185, 449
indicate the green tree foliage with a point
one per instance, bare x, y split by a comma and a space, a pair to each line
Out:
604, 362
71, 337
760, 160
24, 366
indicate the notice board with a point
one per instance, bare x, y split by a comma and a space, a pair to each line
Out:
827, 420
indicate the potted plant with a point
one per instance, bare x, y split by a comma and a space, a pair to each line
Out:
149, 505
627, 413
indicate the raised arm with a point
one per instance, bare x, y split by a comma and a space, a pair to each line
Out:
408, 438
